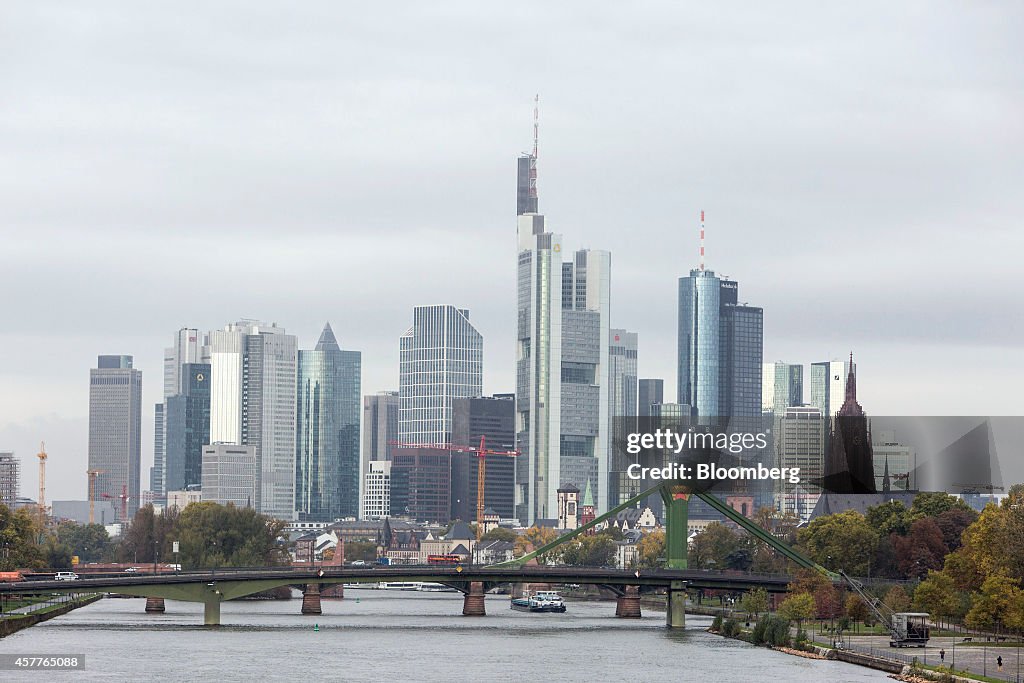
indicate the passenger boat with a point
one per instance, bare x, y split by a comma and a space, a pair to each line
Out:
539, 601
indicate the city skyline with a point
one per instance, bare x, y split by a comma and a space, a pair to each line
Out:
779, 192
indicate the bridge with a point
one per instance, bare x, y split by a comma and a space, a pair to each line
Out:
214, 586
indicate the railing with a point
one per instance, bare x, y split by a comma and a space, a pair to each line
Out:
925, 658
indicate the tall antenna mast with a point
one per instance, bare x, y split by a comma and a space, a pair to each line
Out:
533, 156
702, 239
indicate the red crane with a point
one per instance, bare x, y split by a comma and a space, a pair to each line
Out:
481, 453
124, 501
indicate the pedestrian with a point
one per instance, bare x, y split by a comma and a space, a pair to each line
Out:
999, 661
942, 655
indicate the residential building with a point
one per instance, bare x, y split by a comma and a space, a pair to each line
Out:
229, 474
115, 429
327, 451
252, 402
9, 479
377, 490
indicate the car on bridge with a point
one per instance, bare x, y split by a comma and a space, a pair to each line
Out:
65, 576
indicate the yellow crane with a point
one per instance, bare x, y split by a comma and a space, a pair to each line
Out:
42, 483
92, 474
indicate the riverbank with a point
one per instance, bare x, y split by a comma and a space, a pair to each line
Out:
16, 622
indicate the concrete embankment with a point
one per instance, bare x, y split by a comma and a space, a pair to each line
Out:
15, 623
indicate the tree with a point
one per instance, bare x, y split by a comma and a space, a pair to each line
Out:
148, 538
365, 551
952, 523
827, 602
934, 503
754, 602
18, 534
712, 547
922, 550
589, 551
843, 541
855, 607
89, 542
215, 535
533, 538
650, 550
897, 599
797, 607
997, 605
937, 595
891, 517
500, 534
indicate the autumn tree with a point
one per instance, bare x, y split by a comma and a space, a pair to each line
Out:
952, 524
18, 534
897, 599
533, 538
997, 605
855, 607
843, 541
500, 534
934, 503
921, 550
754, 602
651, 550
937, 595
712, 547
589, 551
892, 517
798, 607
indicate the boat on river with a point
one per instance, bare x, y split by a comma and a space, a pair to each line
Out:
539, 601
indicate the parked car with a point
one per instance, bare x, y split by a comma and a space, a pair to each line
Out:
358, 563
131, 570
65, 576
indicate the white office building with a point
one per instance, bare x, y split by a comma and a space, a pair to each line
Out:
377, 490
229, 474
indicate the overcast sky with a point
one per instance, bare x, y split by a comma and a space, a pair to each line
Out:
861, 167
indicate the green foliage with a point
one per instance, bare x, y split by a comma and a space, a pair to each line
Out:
730, 628
712, 547
500, 534
149, 536
589, 551
361, 550
897, 599
215, 535
798, 607
771, 629
754, 602
18, 534
999, 604
843, 541
855, 608
892, 517
89, 542
57, 554
938, 596
933, 504
533, 538
716, 624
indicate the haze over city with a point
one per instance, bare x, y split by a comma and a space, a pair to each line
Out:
329, 167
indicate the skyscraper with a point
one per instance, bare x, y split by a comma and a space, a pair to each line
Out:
327, 457
252, 402
187, 419
622, 413
441, 359
561, 370
720, 348
380, 425
187, 348
229, 474
800, 442
828, 385
649, 393
376, 499
115, 429
782, 386
494, 419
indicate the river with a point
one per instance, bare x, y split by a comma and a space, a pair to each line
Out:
400, 636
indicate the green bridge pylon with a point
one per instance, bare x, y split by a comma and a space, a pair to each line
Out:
676, 499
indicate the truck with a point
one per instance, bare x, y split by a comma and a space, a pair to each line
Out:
11, 577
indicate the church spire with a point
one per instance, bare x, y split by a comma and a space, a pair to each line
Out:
851, 382
886, 486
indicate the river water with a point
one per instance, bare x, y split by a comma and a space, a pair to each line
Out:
400, 636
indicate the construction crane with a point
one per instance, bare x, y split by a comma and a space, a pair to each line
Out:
42, 483
481, 471
124, 501
92, 474
906, 629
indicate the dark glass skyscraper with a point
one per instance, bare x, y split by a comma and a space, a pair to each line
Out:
327, 443
187, 427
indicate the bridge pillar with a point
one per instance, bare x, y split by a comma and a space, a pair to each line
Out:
155, 605
211, 610
676, 518
473, 602
675, 605
311, 599
627, 606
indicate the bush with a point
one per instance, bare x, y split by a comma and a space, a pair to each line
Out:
716, 625
771, 629
731, 628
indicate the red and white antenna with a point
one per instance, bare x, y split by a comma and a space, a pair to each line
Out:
702, 239
533, 156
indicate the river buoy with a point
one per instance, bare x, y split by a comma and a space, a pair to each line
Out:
316, 627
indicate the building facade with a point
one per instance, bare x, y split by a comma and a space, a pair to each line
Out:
421, 483
252, 402
376, 500
800, 442
9, 479
622, 414
115, 429
441, 359
229, 474
492, 418
187, 420
187, 347
828, 385
649, 392
327, 456
782, 386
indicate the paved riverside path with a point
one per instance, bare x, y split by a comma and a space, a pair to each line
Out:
976, 658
